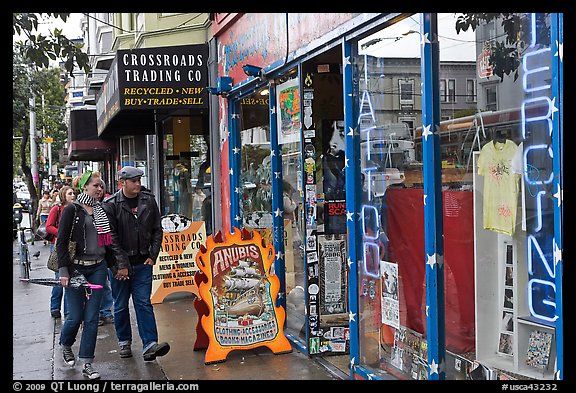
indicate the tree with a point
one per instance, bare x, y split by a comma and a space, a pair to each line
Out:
49, 117
505, 55
38, 49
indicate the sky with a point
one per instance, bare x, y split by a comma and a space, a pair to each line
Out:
395, 43
71, 28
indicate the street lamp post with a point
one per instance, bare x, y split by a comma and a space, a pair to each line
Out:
33, 148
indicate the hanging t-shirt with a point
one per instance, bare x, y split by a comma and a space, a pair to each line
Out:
500, 186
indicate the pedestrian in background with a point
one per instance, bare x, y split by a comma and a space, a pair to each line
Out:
67, 196
92, 235
135, 219
44, 207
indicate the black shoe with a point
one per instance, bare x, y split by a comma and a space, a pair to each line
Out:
89, 372
68, 355
56, 314
156, 350
125, 351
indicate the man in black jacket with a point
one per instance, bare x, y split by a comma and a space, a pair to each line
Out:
135, 218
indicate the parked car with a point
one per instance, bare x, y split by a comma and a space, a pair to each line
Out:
23, 198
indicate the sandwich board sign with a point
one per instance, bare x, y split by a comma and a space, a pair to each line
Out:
239, 293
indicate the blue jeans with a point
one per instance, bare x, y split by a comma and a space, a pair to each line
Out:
83, 309
57, 292
107, 300
139, 286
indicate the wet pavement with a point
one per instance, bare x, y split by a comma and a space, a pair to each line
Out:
37, 355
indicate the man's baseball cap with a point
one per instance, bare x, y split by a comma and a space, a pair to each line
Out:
129, 172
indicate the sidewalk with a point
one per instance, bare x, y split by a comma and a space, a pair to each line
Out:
37, 356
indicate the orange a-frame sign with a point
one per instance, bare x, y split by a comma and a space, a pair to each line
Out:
240, 293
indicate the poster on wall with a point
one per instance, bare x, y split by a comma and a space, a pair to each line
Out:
176, 264
390, 304
332, 274
240, 292
288, 111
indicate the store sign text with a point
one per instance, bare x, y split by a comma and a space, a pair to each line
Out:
541, 273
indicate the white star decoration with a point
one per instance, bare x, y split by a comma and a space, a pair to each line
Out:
346, 162
346, 61
349, 262
426, 132
237, 190
277, 175
273, 110
351, 316
278, 213
425, 196
235, 116
431, 260
349, 216
236, 150
352, 362
370, 376
560, 52
279, 255
433, 367
351, 131
280, 295
231, 171
272, 152
425, 39
559, 195
557, 252
237, 218
554, 109
427, 309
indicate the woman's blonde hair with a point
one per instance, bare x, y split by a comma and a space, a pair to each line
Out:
76, 180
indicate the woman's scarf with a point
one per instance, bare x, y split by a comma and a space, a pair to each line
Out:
100, 219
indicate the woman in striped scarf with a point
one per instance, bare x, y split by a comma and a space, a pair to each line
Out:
86, 223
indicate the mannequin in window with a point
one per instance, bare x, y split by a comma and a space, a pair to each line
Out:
182, 190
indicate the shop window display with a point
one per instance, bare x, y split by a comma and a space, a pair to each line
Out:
497, 201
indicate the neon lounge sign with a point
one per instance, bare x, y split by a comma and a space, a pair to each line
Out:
538, 174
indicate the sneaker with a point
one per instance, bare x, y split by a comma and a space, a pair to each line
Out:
125, 351
55, 314
89, 372
156, 350
68, 355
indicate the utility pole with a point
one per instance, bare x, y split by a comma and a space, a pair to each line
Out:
33, 148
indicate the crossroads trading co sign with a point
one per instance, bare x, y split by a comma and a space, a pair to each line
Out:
171, 77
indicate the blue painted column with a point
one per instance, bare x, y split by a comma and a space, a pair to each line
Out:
277, 199
433, 226
353, 198
557, 45
234, 163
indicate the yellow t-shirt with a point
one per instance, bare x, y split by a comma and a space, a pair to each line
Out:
500, 186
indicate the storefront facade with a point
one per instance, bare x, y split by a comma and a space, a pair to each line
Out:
415, 205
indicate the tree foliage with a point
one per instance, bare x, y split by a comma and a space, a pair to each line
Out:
38, 49
44, 85
506, 54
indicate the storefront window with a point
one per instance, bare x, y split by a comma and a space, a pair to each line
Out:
256, 170
391, 277
187, 179
498, 204
497, 198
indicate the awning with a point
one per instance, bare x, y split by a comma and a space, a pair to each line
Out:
83, 141
142, 83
